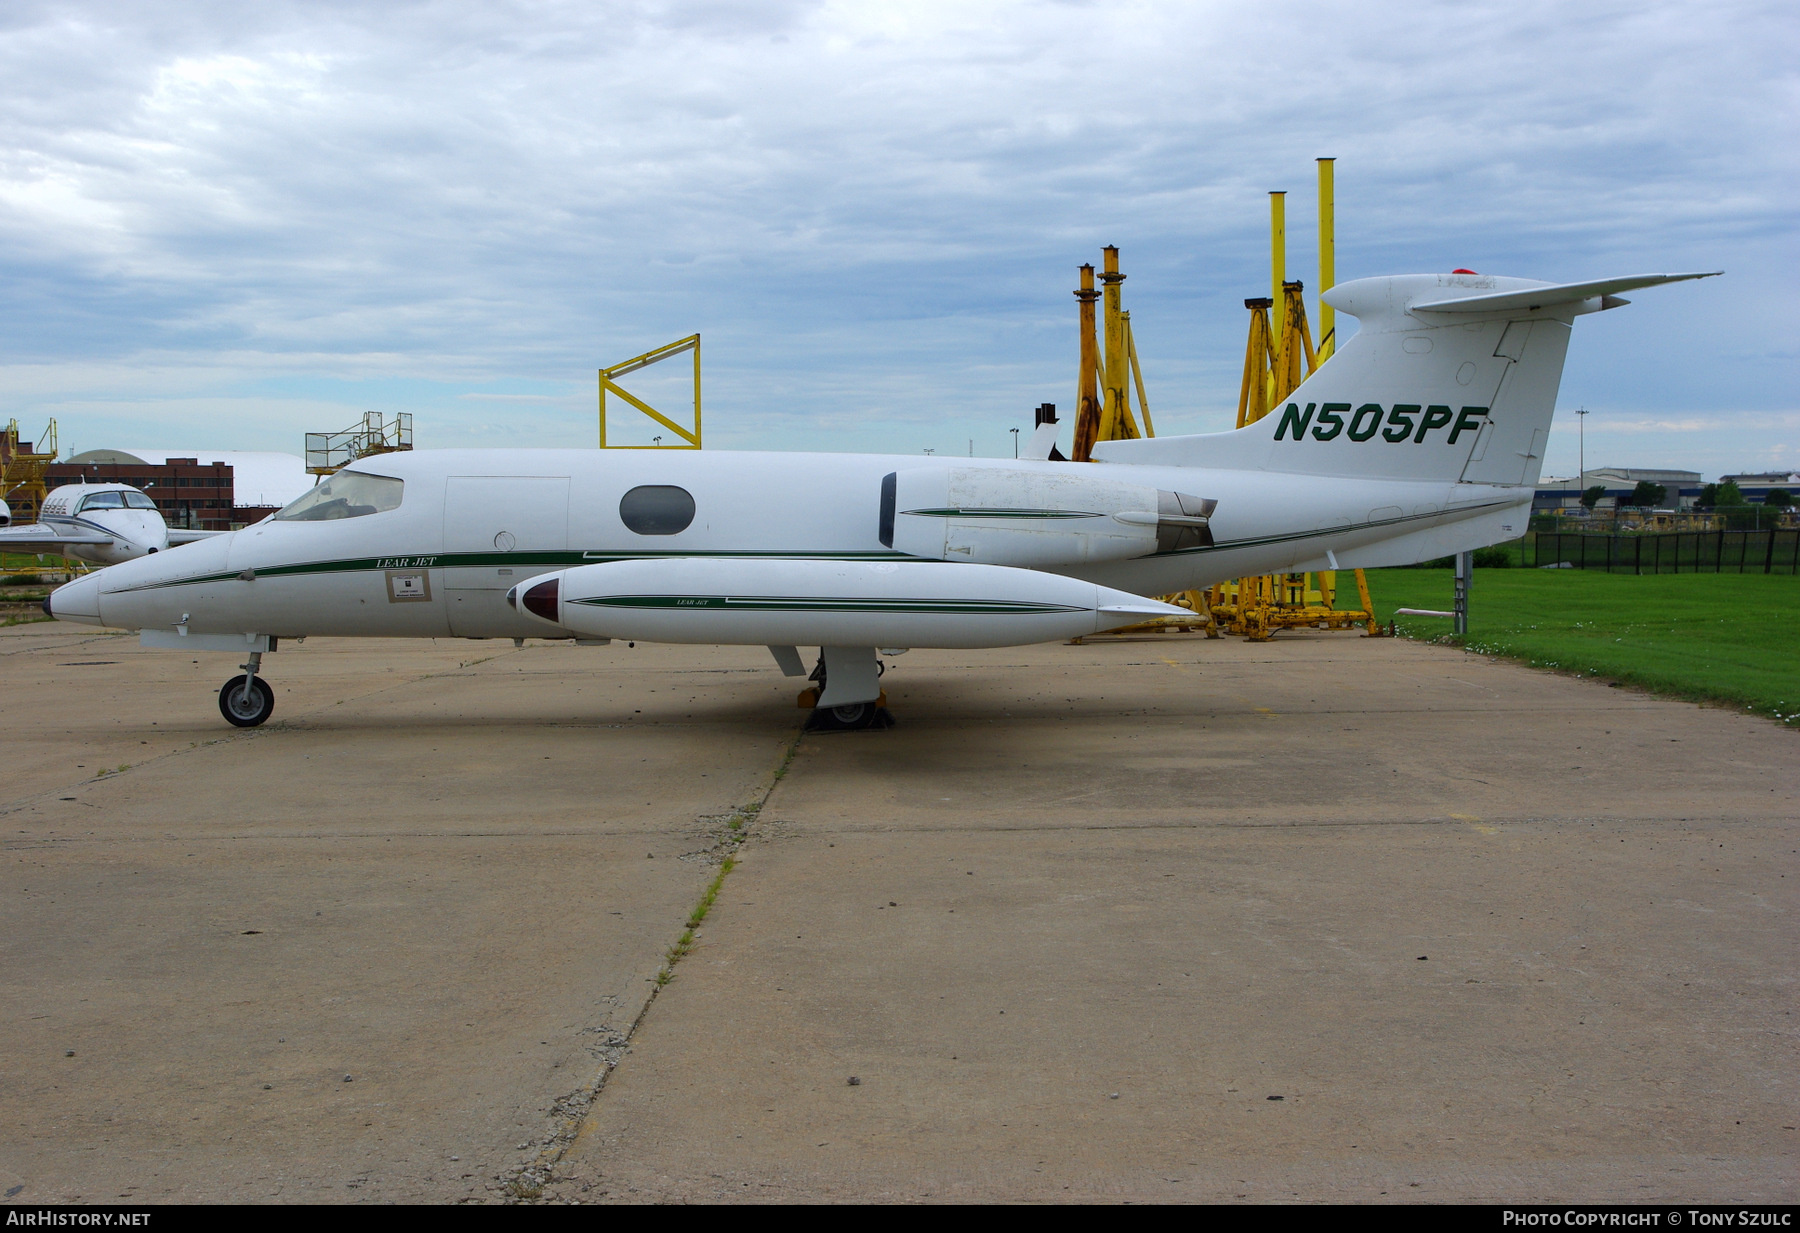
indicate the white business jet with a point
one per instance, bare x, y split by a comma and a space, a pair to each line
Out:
1423, 436
102, 524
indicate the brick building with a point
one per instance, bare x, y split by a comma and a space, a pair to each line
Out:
197, 492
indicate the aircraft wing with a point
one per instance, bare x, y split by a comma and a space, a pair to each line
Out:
177, 538
36, 538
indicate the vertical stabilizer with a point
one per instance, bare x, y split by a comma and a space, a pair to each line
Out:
1450, 377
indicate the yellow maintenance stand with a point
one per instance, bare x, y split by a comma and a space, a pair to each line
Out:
1107, 376
22, 468
1105, 381
609, 383
1277, 358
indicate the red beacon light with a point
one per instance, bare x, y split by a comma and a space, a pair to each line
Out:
1464, 272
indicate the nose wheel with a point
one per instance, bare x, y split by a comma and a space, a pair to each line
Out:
247, 700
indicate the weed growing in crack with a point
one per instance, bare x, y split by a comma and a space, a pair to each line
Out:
712, 893
685, 943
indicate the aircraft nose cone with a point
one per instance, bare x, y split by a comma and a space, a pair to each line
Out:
76, 601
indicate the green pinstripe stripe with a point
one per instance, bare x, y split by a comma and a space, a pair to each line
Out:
1000, 512
817, 603
556, 558
560, 558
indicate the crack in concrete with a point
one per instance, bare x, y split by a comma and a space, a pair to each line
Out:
1347, 824
525, 1183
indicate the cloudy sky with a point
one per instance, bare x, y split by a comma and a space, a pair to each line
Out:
225, 225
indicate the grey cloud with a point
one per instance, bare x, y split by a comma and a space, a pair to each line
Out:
877, 207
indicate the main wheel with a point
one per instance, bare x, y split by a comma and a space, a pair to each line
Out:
855, 715
246, 708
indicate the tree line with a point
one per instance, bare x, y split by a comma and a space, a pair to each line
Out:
1713, 496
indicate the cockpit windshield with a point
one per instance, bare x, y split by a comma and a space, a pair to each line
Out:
103, 500
348, 494
137, 500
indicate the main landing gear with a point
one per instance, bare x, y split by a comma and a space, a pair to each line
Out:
247, 700
849, 697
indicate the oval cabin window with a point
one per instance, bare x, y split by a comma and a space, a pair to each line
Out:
657, 509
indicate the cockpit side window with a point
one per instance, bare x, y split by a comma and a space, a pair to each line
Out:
137, 500
102, 500
348, 494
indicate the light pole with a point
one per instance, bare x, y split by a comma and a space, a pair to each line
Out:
1015, 433
1581, 414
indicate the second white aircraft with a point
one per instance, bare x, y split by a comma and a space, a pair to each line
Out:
102, 524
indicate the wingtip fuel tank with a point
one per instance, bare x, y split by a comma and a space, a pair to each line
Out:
827, 603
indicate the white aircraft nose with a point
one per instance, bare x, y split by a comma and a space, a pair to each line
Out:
151, 531
76, 601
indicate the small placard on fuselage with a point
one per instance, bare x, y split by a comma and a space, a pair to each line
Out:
408, 585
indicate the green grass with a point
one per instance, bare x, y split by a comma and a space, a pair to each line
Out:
1730, 638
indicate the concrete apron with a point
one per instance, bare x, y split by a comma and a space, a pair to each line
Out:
380, 949
1071, 925
1316, 919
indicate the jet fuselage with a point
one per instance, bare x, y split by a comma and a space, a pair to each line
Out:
471, 525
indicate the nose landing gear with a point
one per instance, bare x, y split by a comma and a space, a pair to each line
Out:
247, 700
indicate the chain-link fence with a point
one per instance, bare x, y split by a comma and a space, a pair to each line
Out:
1668, 552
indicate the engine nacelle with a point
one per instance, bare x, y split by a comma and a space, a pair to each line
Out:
784, 602
1034, 519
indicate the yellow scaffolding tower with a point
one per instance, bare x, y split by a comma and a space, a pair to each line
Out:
23, 465
22, 469
1105, 381
1107, 375
608, 382
1277, 358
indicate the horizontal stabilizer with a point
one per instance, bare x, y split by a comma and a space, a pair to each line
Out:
1550, 294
